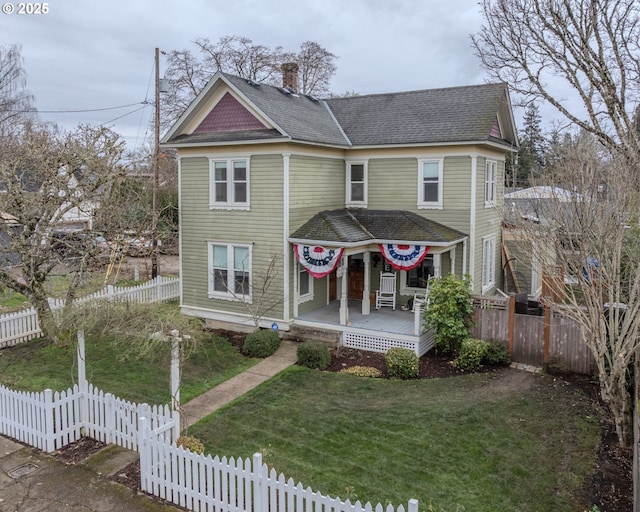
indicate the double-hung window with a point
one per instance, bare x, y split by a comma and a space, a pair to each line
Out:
229, 183
305, 282
230, 271
430, 183
490, 177
356, 184
488, 263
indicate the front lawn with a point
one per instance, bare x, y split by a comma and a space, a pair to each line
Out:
36, 365
501, 441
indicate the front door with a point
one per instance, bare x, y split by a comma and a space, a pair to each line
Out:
355, 286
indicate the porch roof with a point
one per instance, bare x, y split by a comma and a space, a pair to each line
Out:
360, 226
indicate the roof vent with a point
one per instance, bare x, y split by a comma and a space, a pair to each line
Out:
252, 83
285, 90
312, 98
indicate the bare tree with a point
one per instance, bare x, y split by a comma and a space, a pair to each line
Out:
255, 293
16, 103
316, 66
188, 74
44, 175
591, 48
590, 232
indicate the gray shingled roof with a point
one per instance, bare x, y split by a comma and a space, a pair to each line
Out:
353, 225
436, 115
301, 117
431, 116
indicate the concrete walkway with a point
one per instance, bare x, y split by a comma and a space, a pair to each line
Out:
31, 480
203, 405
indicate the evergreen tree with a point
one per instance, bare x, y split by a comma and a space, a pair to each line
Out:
532, 149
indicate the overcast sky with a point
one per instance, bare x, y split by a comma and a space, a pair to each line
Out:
86, 55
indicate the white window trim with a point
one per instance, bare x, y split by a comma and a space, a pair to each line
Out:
490, 183
307, 296
408, 290
431, 204
488, 263
349, 201
229, 204
228, 295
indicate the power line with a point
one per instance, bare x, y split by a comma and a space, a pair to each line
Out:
145, 102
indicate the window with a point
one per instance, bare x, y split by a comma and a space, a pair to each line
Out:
230, 275
357, 183
419, 276
488, 263
490, 174
430, 184
305, 285
230, 183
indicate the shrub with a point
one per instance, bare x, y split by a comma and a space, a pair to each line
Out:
313, 354
363, 371
497, 353
402, 363
190, 443
261, 343
471, 354
449, 312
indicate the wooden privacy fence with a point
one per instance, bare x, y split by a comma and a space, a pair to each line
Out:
202, 483
23, 326
534, 340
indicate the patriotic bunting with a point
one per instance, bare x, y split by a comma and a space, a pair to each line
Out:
317, 260
404, 257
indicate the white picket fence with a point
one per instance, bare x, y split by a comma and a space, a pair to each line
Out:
23, 325
50, 420
202, 483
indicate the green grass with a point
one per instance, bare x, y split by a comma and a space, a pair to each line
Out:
465, 443
36, 365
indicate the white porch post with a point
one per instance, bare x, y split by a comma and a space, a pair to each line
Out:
417, 319
452, 257
437, 264
366, 305
296, 286
344, 301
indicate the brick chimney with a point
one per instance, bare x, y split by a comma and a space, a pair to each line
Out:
290, 75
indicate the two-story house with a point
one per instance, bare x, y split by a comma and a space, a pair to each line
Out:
317, 199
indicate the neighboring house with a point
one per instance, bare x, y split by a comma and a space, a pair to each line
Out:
338, 190
529, 256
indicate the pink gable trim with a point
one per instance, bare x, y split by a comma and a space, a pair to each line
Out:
229, 115
495, 129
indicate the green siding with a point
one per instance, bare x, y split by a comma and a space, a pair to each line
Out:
315, 184
261, 226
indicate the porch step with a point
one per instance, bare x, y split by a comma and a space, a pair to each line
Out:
303, 333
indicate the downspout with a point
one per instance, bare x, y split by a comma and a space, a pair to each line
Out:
286, 252
472, 218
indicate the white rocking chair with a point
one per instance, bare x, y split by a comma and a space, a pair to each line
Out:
386, 295
421, 299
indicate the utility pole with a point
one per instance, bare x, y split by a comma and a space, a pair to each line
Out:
156, 173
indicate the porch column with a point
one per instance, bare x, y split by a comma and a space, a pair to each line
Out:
437, 264
296, 287
366, 304
452, 257
344, 300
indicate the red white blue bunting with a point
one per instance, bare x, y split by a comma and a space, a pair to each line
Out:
317, 260
404, 257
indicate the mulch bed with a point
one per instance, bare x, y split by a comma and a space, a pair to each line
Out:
611, 487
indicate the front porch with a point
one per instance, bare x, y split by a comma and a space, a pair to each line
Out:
377, 331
